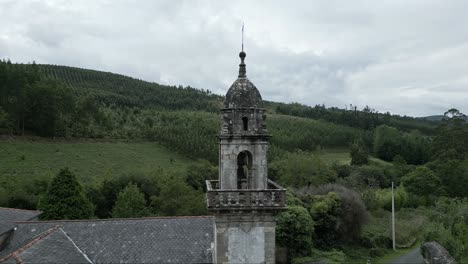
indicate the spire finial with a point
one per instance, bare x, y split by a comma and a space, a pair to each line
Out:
242, 36
242, 55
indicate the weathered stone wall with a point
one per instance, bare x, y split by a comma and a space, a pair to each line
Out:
232, 122
434, 253
229, 149
245, 238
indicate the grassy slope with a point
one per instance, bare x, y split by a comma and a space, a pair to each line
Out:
90, 160
341, 156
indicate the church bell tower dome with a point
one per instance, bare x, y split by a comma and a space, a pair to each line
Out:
243, 93
243, 199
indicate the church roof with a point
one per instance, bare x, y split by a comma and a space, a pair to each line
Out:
51, 246
10, 215
142, 240
242, 92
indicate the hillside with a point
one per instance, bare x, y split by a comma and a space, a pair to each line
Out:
113, 88
115, 132
60, 101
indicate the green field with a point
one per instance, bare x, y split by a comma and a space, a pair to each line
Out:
341, 156
90, 160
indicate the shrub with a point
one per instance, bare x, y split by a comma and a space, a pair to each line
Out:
294, 230
65, 198
130, 202
199, 172
352, 214
359, 153
330, 257
422, 181
177, 198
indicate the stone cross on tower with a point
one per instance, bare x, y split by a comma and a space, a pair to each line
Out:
243, 200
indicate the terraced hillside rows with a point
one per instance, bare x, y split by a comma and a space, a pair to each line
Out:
111, 88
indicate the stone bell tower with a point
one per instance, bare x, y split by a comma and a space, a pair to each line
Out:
243, 200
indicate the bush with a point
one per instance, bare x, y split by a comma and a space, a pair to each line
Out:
422, 181
329, 257
199, 172
384, 198
105, 195
65, 199
350, 217
294, 230
177, 198
359, 153
325, 210
130, 202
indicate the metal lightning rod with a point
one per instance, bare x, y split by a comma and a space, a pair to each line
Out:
242, 36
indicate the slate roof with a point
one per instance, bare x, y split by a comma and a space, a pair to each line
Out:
52, 246
142, 240
10, 215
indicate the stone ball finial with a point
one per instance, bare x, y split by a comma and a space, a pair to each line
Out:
242, 55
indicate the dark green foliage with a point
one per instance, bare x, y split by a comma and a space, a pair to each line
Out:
65, 199
422, 181
413, 147
294, 230
452, 135
449, 227
4, 119
339, 205
367, 176
342, 171
49, 106
199, 172
317, 256
366, 118
303, 169
105, 196
292, 199
130, 202
453, 174
383, 197
359, 153
304, 134
386, 142
325, 210
177, 198
115, 89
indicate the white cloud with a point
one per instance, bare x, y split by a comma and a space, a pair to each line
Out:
399, 56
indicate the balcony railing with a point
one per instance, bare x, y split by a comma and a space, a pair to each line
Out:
272, 198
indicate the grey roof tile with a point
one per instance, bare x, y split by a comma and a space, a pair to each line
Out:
10, 215
144, 240
52, 247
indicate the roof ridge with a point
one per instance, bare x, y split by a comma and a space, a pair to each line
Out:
116, 219
17, 209
32, 242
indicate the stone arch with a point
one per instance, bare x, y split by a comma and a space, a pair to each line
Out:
244, 169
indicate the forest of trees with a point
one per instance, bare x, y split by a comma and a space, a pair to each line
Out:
335, 210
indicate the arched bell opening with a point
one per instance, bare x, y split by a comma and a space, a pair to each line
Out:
245, 122
244, 170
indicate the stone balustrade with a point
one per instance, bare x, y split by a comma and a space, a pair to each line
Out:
245, 199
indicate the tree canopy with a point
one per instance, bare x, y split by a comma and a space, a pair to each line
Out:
130, 202
65, 198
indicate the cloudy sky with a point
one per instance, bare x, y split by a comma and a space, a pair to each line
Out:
403, 56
